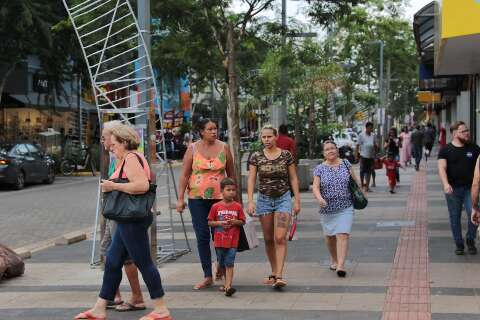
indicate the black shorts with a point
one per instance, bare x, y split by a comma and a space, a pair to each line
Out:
429, 146
366, 165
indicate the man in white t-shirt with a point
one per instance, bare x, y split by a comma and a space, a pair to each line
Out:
366, 150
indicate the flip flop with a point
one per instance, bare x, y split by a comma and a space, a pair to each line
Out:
156, 316
113, 304
127, 306
221, 288
333, 267
202, 285
88, 315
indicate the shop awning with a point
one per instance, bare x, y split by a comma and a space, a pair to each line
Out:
43, 101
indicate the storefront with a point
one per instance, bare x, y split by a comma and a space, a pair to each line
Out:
29, 107
448, 43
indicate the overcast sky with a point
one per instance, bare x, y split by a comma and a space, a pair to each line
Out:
296, 9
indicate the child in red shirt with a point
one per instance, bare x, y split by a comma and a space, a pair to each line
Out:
391, 166
227, 218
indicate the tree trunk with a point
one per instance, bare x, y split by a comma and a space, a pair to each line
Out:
312, 129
233, 118
4, 79
325, 111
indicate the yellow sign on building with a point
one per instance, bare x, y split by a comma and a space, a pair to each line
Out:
460, 18
428, 97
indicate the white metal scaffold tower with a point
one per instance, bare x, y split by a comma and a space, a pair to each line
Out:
124, 85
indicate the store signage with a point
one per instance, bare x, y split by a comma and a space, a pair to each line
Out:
40, 83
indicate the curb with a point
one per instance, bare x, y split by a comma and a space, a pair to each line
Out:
70, 238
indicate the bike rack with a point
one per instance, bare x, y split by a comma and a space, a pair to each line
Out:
118, 61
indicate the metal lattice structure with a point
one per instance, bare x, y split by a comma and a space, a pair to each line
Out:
124, 85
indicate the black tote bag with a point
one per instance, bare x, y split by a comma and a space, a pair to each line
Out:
123, 207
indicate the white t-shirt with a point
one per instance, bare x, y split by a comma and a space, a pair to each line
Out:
366, 144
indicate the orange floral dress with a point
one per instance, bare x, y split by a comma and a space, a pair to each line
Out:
204, 182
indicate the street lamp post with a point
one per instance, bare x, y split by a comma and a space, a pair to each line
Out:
381, 85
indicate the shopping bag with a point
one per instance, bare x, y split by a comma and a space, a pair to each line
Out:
293, 228
250, 232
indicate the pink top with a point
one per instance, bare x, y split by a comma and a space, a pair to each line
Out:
144, 164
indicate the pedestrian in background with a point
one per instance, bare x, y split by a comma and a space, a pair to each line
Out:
428, 139
392, 145
130, 238
391, 167
136, 301
284, 142
456, 167
366, 151
227, 217
277, 175
417, 144
406, 147
206, 162
330, 188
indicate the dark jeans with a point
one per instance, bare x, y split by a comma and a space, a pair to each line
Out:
455, 202
199, 209
417, 154
131, 239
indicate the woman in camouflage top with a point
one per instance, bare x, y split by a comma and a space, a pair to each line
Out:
277, 176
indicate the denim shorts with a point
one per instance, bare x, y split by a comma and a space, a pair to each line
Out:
226, 256
267, 205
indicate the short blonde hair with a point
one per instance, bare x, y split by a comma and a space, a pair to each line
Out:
107, 126
126, 134
270, 127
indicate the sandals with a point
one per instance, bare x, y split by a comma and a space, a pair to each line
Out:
203, 285
156, 316
270, 280
341, 273
128, 306
113, 304
333, 267
279, 283
230, 291
88, 315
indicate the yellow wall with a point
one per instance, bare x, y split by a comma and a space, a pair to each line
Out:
460, 18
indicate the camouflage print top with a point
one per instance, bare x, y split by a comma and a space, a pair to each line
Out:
273, 174
204, 182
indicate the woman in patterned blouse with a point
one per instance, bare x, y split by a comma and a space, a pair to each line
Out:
205, 164
330, 188
277, 176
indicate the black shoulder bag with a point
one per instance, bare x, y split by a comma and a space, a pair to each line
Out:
358, 198
124, 207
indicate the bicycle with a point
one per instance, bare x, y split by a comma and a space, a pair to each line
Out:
77, 161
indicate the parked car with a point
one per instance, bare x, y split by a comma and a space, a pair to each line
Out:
22, 163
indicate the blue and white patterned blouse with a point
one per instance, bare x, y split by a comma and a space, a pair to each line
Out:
334, 186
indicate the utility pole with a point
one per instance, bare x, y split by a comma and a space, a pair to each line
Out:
147, 122
387, 100
279, 113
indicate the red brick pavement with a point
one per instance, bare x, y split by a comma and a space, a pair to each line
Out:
408, 295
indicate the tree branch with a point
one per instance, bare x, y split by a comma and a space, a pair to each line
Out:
215, 32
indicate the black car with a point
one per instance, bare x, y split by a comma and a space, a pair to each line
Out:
22, 163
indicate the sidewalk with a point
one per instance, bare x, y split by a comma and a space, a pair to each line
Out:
401, 266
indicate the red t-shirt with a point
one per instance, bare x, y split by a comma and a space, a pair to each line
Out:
286, 143
226, 237
391, 166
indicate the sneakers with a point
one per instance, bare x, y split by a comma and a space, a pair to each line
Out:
471, 247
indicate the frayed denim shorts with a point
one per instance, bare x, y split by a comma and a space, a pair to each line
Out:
267, 205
